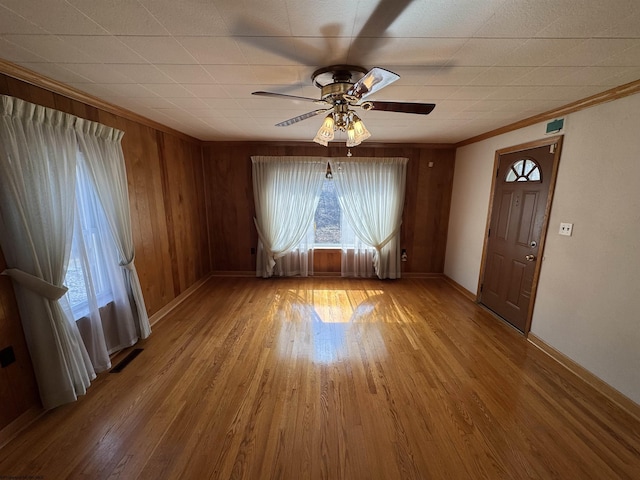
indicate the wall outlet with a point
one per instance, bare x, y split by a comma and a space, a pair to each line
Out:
566, 229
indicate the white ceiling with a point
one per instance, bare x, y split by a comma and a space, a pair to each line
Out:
192, 64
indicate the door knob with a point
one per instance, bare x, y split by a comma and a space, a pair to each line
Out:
530, 258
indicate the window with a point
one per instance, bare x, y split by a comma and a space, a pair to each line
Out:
90, 254
330, 228
327, 219
525, 170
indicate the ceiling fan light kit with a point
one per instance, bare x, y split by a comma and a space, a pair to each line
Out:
347, 121
342, 95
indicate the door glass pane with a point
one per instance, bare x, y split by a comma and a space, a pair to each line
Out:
524, 170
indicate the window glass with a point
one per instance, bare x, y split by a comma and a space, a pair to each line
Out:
524, 170
87, 270
327, 217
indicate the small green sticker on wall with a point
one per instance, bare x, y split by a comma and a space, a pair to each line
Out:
555, 125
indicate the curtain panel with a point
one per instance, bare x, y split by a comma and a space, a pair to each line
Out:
371, 193
286, 191
38, 149
356, 257
41, 152
97, 294
104, 159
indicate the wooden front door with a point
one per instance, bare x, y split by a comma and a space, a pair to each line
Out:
521, 201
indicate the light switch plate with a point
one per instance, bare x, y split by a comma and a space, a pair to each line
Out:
566, 229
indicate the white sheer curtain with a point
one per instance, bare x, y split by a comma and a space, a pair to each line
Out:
38, 151
298, 261
356, 259
104, 159
97, 293
63, 195
371, 195
286, 192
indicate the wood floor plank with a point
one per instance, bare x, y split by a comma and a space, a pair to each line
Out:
325, 378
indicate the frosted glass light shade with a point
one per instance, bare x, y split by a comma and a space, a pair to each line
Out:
360, 131
326, 132
351, 136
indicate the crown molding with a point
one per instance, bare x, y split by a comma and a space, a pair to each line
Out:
603, 97
332, 146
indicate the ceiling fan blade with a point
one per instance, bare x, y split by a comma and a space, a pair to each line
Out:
401, 107
374, 80
290, 97
299, 118
272, 39
370, 36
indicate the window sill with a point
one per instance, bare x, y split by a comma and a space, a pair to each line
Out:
103, 311
81, 310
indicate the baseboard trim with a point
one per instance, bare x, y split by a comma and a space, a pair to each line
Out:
420, 275
233, 273
467, 293
621, 400
316, 273
9, 432
164, 311
406, 275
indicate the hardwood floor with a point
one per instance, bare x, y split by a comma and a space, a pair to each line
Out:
337, 379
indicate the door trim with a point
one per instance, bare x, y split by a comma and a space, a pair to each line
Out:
543, 235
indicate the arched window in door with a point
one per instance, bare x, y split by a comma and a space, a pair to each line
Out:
524, 170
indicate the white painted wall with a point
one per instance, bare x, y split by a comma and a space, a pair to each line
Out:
588, 301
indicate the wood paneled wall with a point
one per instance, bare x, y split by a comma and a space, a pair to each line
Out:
327, 261
227, 167
185, 208
18, 390
166, 193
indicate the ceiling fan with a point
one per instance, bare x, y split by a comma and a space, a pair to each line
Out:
343, 88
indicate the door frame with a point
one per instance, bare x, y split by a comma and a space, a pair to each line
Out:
557, 139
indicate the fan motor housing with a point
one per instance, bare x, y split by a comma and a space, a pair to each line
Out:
334, 92
337, 73
335, 81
